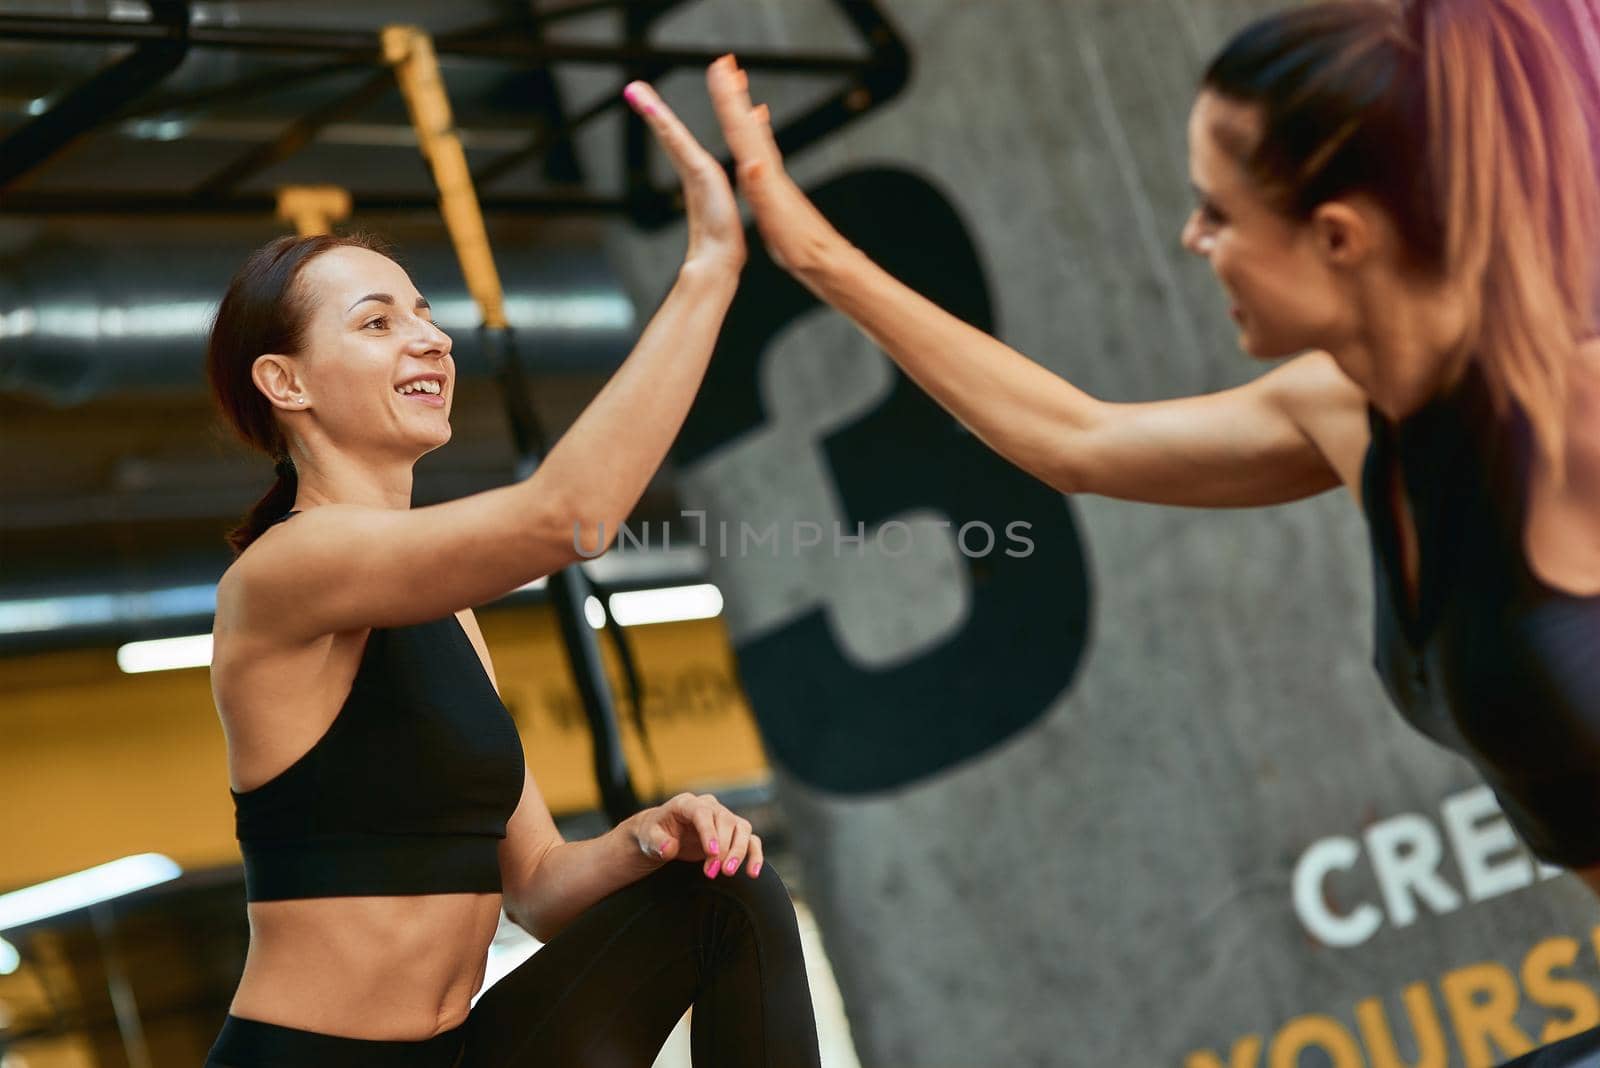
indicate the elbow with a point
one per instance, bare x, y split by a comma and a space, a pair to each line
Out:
1068, 463
1047, 446
544, 930
527, 919
538, 926
1060, 468
539, 923
529, 898
580, 528
588, 539
1065, 478
565, 535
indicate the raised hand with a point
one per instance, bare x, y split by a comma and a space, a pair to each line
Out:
796, 234
716, 233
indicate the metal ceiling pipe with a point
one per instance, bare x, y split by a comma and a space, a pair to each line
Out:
88, 309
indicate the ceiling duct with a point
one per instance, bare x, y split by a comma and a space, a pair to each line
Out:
96, 308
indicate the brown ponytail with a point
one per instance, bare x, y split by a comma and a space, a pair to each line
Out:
1499, 198
1510, 151
270, 508
265, 310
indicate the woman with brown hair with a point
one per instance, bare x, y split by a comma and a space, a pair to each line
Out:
384, 810
1400, 203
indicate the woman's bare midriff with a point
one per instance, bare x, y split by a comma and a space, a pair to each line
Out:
395, 968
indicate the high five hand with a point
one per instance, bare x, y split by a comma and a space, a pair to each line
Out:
716, 233
794, 231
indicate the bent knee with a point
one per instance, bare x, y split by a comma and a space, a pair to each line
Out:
763, 895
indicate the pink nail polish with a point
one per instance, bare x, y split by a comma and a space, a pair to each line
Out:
636, 99
755, 869
731, 866
711, 869
715, 848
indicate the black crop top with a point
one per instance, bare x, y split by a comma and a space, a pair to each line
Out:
407, 792
1495, 664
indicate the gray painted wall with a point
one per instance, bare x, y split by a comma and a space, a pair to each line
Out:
1114, 886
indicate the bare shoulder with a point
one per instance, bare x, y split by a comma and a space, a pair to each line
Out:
232, 626
261, 563
1330, 409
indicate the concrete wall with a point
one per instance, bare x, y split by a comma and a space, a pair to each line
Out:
1115, 883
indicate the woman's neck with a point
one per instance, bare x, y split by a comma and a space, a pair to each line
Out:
327, 477
1411, 347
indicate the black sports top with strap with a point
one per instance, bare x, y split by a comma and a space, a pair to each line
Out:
1491, 661
407, 792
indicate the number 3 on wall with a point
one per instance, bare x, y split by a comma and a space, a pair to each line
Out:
961, 613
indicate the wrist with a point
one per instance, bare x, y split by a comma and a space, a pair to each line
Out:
828, 264
715, 273
630, 847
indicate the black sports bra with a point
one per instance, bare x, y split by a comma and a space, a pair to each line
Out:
1493, 663
407, 792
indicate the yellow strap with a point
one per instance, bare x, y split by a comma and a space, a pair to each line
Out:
409, 50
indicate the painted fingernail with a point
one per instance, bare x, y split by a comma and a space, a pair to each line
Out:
755, 869
711, 869
731, 866
714, 848
635, 97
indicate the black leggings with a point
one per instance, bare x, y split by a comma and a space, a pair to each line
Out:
607, 991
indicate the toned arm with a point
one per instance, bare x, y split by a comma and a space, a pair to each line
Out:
1295, 431
342, 566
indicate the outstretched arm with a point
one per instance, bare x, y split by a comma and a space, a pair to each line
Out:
354, 566
1286, 435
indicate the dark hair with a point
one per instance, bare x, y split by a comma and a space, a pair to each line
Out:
265, 310
1466, 121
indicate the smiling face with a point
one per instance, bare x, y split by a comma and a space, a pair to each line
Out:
375, 373
1276, 271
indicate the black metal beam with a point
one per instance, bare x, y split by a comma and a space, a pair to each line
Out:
868, 81
262, 205
269, 81
544, 141
577, 8
273, 80
561, 165
871, 81
93, 101
298, 134
364, 45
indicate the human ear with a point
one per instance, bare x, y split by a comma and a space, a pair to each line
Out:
1343, 233
274, 375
